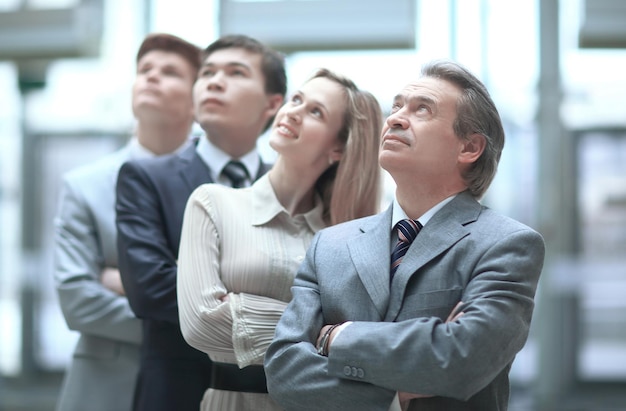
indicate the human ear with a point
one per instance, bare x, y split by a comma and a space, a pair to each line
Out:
275, 102
335, 154
472, 148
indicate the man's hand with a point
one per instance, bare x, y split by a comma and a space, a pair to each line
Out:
112, 280
454, 315
406, 397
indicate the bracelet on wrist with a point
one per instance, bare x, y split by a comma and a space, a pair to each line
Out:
322, 348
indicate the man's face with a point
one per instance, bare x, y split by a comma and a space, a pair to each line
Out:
230, 97
162, 91
418, 140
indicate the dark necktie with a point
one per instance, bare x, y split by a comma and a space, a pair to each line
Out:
407, 231
236, 172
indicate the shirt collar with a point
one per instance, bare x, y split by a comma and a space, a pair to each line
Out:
267, 206
216, 159
399, 214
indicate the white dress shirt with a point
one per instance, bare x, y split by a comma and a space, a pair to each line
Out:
216, 159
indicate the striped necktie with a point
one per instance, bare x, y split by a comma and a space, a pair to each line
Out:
407, 231
236, 172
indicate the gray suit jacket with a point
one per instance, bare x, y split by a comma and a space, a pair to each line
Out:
399, 340
104, 367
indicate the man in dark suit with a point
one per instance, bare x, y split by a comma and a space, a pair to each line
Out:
240, 86
438, 327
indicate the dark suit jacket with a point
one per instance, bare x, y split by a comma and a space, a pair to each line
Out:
151, 199
399, 340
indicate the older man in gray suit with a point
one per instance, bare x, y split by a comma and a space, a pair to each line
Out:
437, 328
104, 369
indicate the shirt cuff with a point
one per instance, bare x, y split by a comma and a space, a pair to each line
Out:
338, 331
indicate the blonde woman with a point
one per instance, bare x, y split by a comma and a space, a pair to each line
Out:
240, 248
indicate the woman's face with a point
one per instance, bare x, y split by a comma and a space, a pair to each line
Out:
308, 124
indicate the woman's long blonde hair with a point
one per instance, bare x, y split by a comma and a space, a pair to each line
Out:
351, 187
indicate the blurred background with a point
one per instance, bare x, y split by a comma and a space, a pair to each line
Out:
556, 69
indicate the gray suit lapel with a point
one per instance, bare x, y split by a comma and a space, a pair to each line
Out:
444, 229
371, 258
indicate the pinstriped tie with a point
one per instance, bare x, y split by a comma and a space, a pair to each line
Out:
407, 231
236, 173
